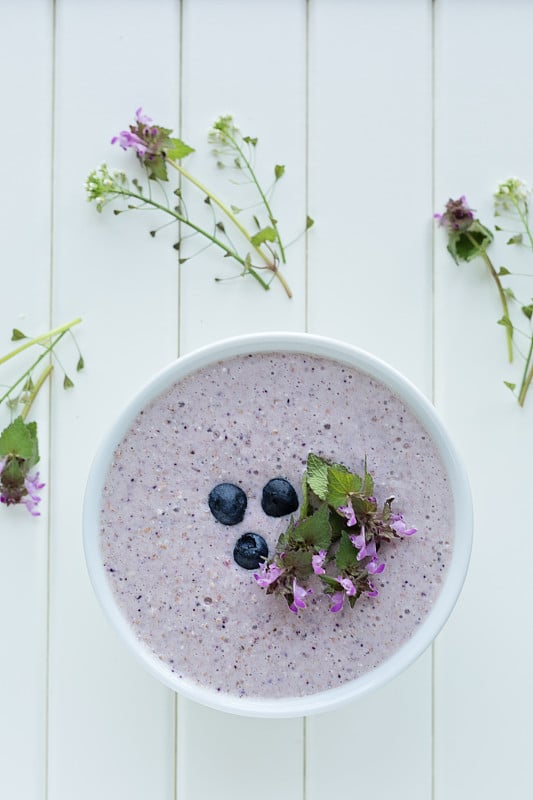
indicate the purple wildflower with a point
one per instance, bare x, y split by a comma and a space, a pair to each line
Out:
268, 574
373, 592
348, 512
299, 595
458, 216
32, 499
318, 562
374, 567
348, 590
399, 527
128, 139
359, 542
141, 118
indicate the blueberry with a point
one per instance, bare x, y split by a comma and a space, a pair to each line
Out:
250, 551
279, 498
227, 503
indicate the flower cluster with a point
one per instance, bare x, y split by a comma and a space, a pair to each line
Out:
469, 239
337, 538
157, 150
19, 453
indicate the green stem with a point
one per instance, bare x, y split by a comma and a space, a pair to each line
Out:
35, 391
37, 339
180, 218
503, 298
262, 195
527, 376
37, 361
231, 216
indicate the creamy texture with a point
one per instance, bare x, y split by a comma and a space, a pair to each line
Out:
246, 420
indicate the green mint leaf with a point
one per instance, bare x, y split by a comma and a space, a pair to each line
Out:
17, 335
315, 530
279, 171
317, 475
469, 244
300, 561
346, 554
341, 483
178, 149
267, 234
157, 169
20, 439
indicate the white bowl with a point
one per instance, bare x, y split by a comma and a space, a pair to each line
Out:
424, 634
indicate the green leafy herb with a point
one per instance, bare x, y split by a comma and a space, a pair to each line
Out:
340, 528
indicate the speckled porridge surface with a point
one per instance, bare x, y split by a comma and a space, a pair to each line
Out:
170, 563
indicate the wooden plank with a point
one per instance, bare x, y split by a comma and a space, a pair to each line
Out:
227, 47
25, 273
484, 702
111, 725
370, 284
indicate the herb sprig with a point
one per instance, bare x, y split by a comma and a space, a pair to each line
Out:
19, 445
262, 249
339, 533
469, 239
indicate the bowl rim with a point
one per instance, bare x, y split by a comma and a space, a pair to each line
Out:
308, 344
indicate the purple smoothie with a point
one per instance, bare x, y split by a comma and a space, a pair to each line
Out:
246, 420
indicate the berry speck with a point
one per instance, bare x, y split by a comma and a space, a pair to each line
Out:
250, 550
227, 503
279, 498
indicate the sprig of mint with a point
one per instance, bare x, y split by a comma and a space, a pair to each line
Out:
156, 150
469, 239
340, 529
19, 444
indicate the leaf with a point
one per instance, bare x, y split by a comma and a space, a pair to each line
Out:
315, 530
300, 561
466, 245
317, 475
178, 149
341, 483
17, 335
20, 439
267, 234
346, 554
279, 171
506, 322
157, 169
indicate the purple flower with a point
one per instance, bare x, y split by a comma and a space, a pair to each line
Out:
141, 118
128, 139
348, 512
398, 525
268, 574
337, 602
299, 595
374, 567
373, 592
458, 216
32, 499
348, 590
318, 562
359, 542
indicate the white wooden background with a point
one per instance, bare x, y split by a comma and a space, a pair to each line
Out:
381, 110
